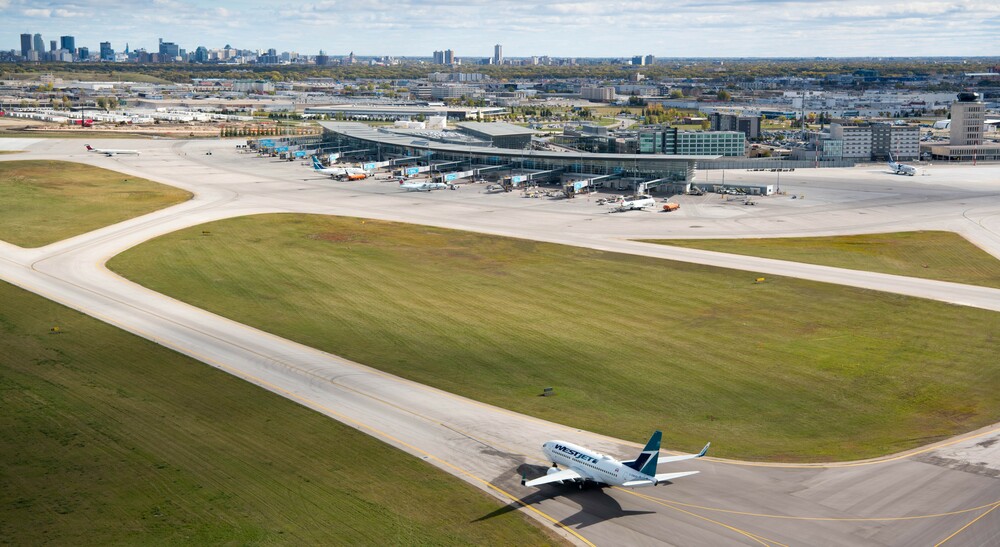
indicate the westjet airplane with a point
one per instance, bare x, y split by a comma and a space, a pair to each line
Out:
901, 168
584, 465
337, 171
111, 151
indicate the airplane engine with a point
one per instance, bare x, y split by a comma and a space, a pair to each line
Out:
552, 470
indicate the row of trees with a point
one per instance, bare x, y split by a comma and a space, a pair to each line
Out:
732, 70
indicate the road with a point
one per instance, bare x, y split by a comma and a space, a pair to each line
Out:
948, 493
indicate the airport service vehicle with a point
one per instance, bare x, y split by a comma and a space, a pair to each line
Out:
900, 168
112, 151
423, 186
671, 206
334, 172
583, 464
638, 201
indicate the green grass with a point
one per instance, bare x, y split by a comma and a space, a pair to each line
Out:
109, 439
944, 256
43, 201
784, 370
10, 151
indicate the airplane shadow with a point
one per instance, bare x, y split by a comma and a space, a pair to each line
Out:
595, 504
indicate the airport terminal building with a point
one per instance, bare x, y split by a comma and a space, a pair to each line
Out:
383, 144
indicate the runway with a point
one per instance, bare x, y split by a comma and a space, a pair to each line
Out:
944, 494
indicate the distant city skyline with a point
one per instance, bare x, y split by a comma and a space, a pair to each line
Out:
582, 28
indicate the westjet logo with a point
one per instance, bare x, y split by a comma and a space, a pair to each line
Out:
575, 454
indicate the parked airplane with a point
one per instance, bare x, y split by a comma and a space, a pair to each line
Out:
111, 151
423, 186
584, 465
900, 168
352, 173
638, 201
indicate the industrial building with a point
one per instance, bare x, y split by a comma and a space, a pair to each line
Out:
384, 146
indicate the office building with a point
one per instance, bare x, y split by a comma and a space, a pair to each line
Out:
638, 60
39, 44
600, 94
25, 45
649, 60
749, 125
168, 51
84, 53
876, 141
68, 43
668, 140
439, 57
498, 54
107, 54
449, 57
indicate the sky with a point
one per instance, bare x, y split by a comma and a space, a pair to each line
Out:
558, 28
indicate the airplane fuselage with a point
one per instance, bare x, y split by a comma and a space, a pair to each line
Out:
592, 466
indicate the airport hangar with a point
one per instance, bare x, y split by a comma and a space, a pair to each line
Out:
666, 173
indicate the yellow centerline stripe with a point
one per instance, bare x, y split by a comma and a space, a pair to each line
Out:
943, 541
855, 519
759, 539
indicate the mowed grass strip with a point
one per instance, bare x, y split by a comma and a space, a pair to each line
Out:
783, 370
944, 256
44, 201
109, 439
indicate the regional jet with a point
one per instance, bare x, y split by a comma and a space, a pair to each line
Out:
423, 186
111, 151
900, 168
584, 465
638, 201
334, 172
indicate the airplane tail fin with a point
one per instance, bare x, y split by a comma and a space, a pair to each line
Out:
88, 147
646, 462
316, 164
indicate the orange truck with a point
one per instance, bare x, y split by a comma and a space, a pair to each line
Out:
357, 176
671, 206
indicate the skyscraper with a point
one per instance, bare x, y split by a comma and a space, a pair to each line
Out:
68, 43
25, 45
439, 57
449, 57
39, 44
107, 54
53, 45
498, 54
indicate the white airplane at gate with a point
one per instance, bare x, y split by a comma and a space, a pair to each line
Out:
112, 151
423, 186
583, 465
337, 171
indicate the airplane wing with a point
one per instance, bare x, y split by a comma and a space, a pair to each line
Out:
564, 475
659, 478
669, 459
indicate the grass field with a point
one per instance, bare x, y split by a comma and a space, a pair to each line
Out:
783, 370
109, 439
945, 256
43, 201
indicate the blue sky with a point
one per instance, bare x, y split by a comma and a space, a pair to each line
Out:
563, 28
